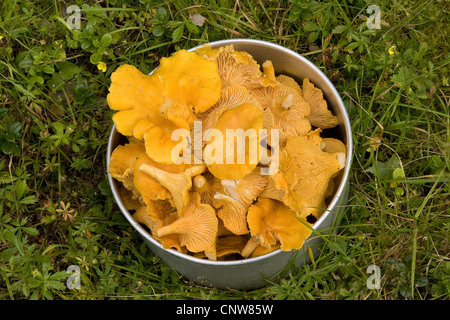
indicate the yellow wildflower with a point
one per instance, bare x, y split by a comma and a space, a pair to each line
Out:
392, 50
101, 66
1, 37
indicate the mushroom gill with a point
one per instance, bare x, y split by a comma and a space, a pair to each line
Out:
178, 184
196, 227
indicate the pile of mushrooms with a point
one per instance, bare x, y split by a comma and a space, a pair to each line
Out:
222, 210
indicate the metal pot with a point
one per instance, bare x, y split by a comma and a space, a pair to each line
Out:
253, 273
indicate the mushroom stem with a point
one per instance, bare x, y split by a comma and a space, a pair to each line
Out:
230, 186
169, 229
251, 245
268, 70
340, 157
178, 184
200, 184
288, 101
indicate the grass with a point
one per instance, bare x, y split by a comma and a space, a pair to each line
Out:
56, 208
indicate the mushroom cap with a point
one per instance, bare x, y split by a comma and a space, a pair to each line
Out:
244, 191
156, 214
130, 200
289, 109
270, 221
333, 145
230, 244
232, 198
233, 214
121, 162
305, 171
319, 116
235, 67
233, 156
260, 250
149, 187
190, 78
231, 97
289, 81
178, 184
270, 190
152, 107
196, 227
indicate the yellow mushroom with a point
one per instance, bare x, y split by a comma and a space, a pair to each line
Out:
232, 147
289, 109
260, 250
202, 184
178, 184
319, 115
235, 67
272, 222
152, 107
156, 214
120, 165
232, 213
289, 81
148, 187
304, 173
229, 245
128, 197
333, 145
196, 227
232, 198
270, 191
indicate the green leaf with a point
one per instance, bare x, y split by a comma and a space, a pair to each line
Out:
398, 173
67, 70
380, 169
401, 78
339, 29
59, 128
106, 40
20, 187
49, 69
399, 191
95, 58
8, 147
14, 130
105, 188
28, 200
31, 231
178, 33
158, 31
162, 14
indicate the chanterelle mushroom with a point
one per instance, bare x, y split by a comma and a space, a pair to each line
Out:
178, 184
235, 67
232, 198
148, 187
121, 162
232, 147
151, 107
270, 222
305, 171
289, 109
202, 184
319, 115
196, 227
156, 214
